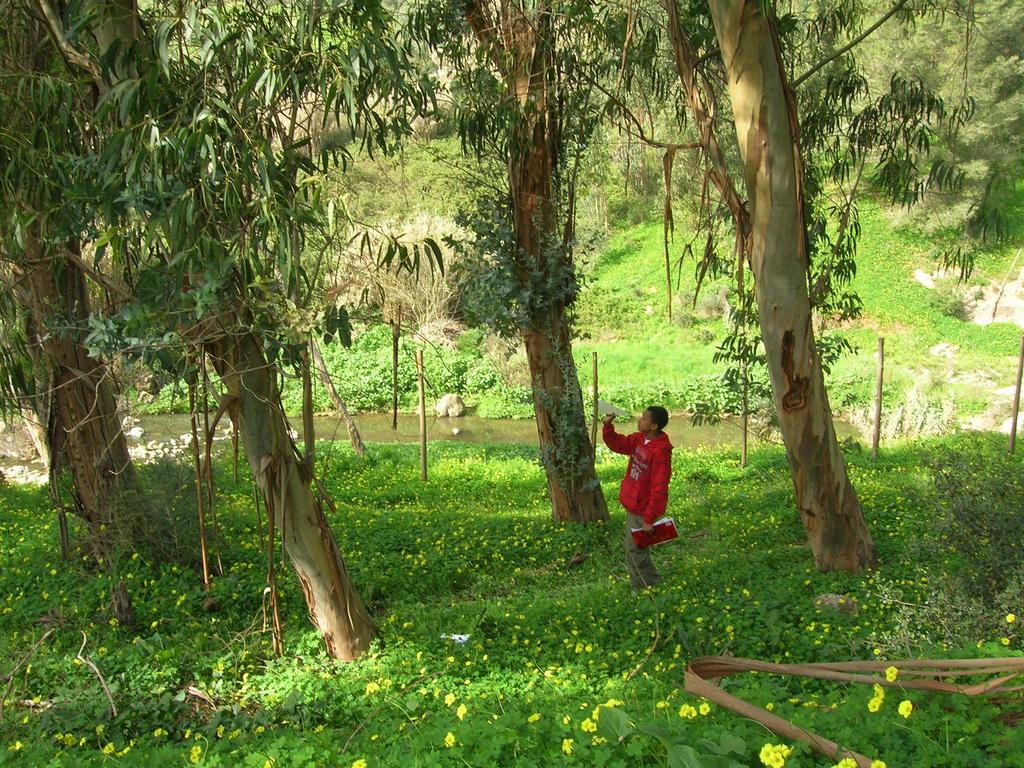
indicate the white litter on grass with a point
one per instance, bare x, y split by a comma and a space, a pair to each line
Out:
460, 639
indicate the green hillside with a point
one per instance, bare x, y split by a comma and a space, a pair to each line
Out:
622, 317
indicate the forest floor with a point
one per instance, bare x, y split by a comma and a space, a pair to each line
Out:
562, 664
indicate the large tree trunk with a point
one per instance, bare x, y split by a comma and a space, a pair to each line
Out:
562, 428
87, 432
331, 598
566, 452
765, 117
84, 430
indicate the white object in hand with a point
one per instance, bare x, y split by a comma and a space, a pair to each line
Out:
605, 409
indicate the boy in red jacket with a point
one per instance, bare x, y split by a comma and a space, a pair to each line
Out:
644, 490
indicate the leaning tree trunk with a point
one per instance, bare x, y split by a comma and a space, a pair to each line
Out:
339, 405
766, 127
332, 601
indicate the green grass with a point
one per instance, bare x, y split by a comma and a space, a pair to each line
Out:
623, 318
475, 551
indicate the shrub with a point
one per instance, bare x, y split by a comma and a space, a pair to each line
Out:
950, 301
506, 402
980, 490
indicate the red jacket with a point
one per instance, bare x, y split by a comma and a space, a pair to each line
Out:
644, 489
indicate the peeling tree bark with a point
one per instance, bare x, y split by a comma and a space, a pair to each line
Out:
92, 442
297, 513
526, 64
765, 116
84, 430
557, 398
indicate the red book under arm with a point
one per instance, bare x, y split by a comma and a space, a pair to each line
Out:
664, 530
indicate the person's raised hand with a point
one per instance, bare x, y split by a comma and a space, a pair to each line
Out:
609, 418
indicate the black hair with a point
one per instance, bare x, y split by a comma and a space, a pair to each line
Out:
659, 415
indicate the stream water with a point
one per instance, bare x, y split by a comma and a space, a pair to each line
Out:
169, 435
376, 428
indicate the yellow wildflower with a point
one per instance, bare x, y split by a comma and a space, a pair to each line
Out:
906, 707
159, 733
687, 711
874, 705
846, 762
891, 673
1010, 618
774, 755
195, 754
461, 711
109, 749
704, 708
360, 763
533, 718
449, 740
372, 687
877, 764
567, 746
588, 725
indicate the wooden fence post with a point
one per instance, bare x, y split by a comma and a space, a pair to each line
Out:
1016, 397
593, 421
878, 397
745, 415
423, 416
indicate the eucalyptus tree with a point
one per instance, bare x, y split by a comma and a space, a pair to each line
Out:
205, 178
803, 157
523, 87
44, 224
768, 129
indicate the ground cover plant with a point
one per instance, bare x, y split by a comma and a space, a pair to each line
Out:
562, 665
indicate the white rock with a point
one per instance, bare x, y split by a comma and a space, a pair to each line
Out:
924, 278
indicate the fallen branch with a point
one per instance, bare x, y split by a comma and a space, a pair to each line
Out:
650, 651
99, 675
921, 674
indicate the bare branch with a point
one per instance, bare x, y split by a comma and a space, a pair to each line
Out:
92, 665
60, 39
853, 43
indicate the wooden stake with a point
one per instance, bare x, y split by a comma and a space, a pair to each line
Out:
308, 430
593, 424
200, 493
395, 330
65, 541
878, 397
423, 416
208, 462
745, 415
1016, 397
